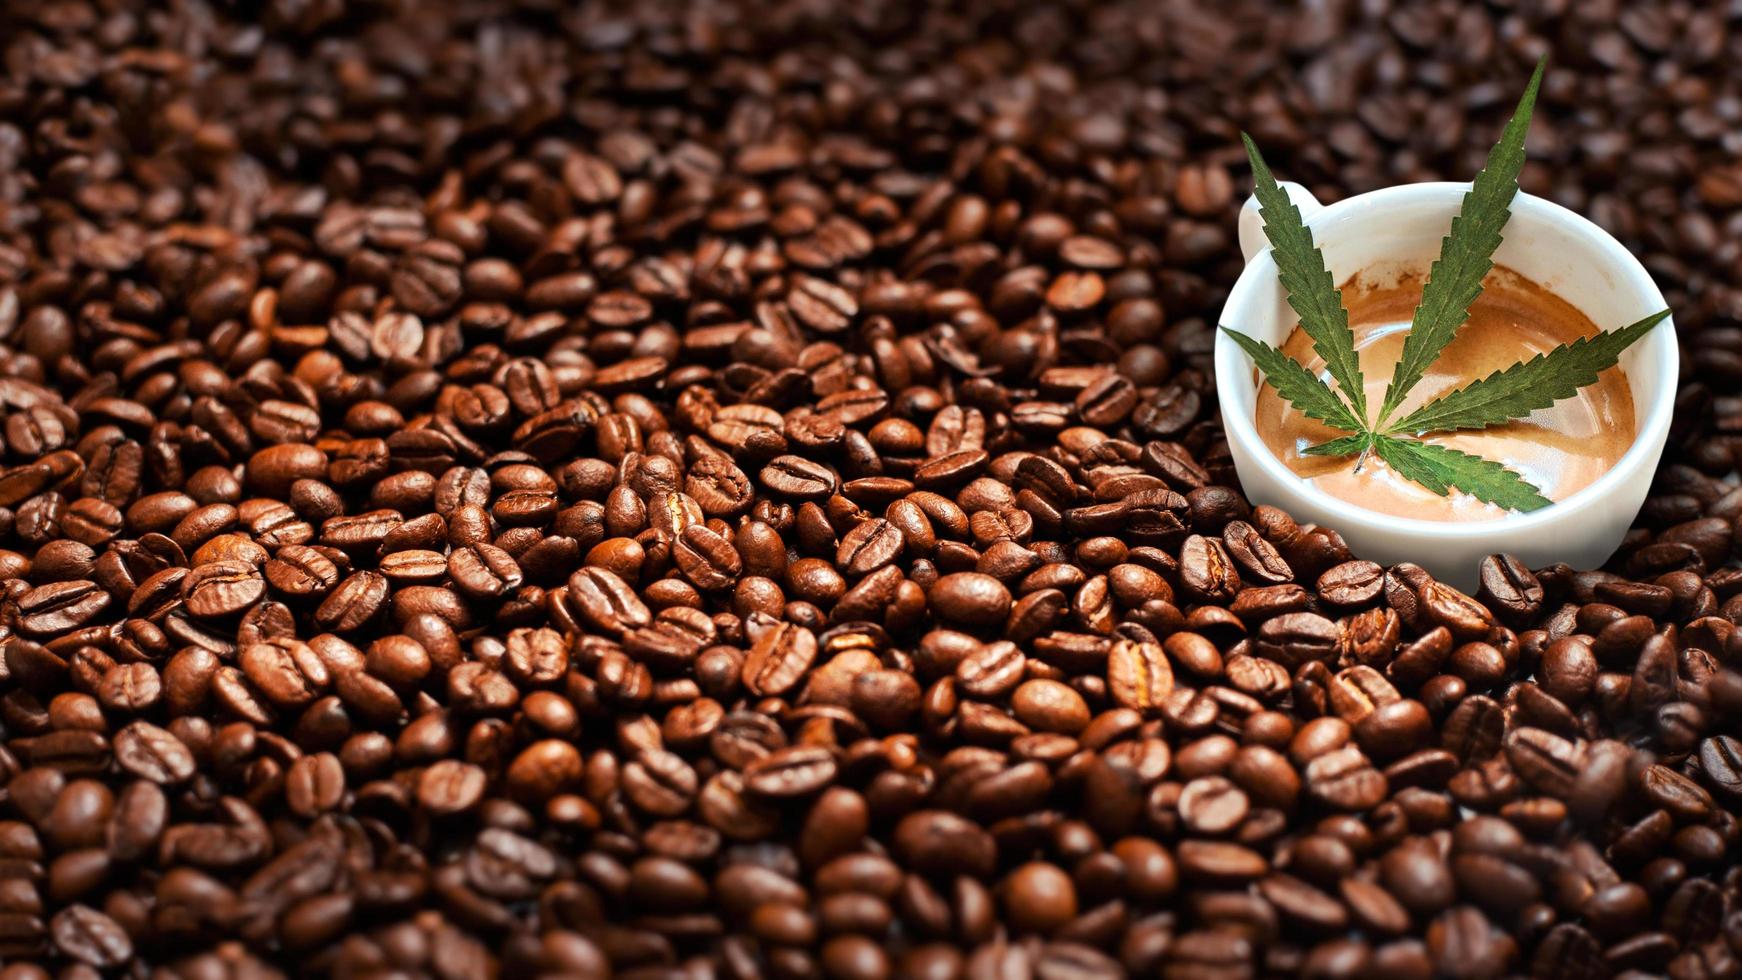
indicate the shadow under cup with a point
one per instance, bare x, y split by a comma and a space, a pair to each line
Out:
1546, 243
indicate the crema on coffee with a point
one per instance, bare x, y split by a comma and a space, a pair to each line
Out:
1561, 449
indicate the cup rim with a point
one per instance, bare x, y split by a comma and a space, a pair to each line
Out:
1647, 442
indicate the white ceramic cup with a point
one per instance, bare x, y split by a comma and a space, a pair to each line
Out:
1567, 254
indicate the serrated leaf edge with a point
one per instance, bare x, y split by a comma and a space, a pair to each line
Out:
1312, 291
1455, 277
1286, 372
1422, 420
1389, 446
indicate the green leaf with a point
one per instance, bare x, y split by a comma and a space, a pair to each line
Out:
1466, 255
1439, 469
1300, 387
1311, 290
1346, 446
1528, 385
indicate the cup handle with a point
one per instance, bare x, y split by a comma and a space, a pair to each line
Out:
1252, 224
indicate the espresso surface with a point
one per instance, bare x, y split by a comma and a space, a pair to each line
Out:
1561, 449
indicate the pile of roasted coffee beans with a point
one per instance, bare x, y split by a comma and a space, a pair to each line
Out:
735, 490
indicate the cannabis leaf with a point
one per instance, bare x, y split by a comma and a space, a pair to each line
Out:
1300, 387
1466, 255
1439, 469
1454, 282
1360, 442
1311, 291
1528, 385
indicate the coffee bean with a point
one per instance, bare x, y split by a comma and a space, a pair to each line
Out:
90, 937
1050, 706
1345, 779
1721, 761
297, 570
1654, 676
938, 842
141, 814
222, 588
869, 546
1466, 944
1509, 588
795, 476
992, 670
1294, 639
1039, 897
290, 673
1206, 570
605, 601
1543, 759
450, 786
779, 659
354, 602
314, 784
970, 598
1568, 670
1216, 862
415, 565
1212, 806
718, 486
707, 558
1352, 583
1676, 793
153, 753
1139, 675
791, 771
1570, 949
60, 607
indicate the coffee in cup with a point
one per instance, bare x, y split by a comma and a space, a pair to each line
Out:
1560, 449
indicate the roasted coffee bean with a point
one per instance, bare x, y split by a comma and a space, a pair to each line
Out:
1544, 760
707, 558
483, 571
792, 771
1294, 639
1212, 806
90, 937
289, 674
298, 570
60, 607
354, 602
1206, 571
1050, 706
153, 753
1139, 675
222, 588
795, 476
1352, 583
1216, 862
415, 565
779, 659
1345, 779
1508, 588
604, 601
869, 546
970, 598
1721, 761
450, 786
